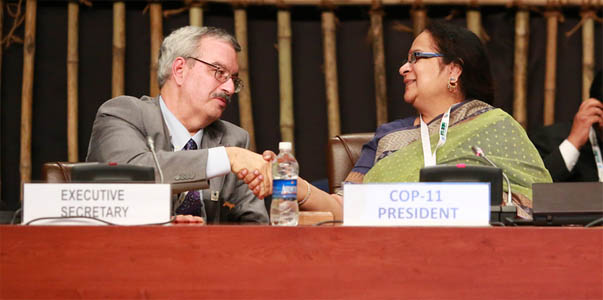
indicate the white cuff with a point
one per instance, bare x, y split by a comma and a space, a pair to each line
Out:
569, 153
218, 163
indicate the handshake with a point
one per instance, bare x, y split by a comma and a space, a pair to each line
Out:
254, 169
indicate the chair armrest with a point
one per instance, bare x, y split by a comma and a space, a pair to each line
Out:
342, 153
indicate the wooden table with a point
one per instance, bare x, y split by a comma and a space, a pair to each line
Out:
243, 262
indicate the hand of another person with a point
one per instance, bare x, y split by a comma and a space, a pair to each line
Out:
243, 159
254, 178
188, 219
589, 113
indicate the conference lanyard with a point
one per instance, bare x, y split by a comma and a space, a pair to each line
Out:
428, 157
592, 136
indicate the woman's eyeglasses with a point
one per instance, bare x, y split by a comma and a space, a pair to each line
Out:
414, 56
222, 75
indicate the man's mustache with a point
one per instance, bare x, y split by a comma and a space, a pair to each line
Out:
227, 97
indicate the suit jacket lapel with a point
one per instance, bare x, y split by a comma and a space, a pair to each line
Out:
156, 126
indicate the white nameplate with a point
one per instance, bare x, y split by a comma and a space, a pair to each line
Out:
121, 204
417, 204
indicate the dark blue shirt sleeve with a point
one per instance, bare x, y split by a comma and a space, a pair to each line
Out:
367, 156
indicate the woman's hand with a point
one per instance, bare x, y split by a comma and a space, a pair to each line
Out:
255, 178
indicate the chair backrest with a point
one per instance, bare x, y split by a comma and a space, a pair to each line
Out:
342, 153
59, 172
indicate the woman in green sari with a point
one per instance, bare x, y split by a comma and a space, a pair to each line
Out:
447, 80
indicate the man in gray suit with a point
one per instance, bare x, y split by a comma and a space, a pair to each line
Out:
197, 73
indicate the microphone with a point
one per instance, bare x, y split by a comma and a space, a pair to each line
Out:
151, 145
479, 152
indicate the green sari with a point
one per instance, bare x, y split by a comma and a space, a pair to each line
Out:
503, 140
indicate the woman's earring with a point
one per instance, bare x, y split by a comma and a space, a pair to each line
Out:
452, 84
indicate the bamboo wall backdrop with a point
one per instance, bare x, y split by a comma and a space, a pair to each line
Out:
119, 48
285, 74
29, 48
245, 107
155, 10
522, 37
552, 19
379, 61
312, 68
196, 14
330, 69
1, 39
72, 80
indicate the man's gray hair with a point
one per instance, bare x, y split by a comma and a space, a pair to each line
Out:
184, 42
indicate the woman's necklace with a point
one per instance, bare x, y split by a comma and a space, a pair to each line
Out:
429, 158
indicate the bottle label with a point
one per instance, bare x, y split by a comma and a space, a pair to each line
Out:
284, 189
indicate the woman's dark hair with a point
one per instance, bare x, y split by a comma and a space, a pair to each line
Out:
461, 46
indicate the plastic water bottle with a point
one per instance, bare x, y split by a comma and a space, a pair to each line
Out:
284, 210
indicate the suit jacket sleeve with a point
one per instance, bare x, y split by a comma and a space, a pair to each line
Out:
249, 209
119, 135
547, 141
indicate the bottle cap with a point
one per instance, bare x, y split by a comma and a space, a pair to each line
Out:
284, 146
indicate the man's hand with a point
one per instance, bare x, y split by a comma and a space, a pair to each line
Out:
255, 178
589, 113
189, 219
243, 159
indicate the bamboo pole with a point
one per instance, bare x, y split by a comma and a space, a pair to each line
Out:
596, 3
285, 75
1, 28
29, 49
588, 55
119, 49
245, 104
379, 64
474, 22
1, 46
330, 69
156, 38
552, 19
72, 80
522, 36
195, 14
419, 19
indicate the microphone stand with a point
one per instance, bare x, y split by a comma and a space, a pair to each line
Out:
151, 145
504, 214
177, 201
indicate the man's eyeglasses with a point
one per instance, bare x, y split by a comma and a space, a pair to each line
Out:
414, 56
222, 75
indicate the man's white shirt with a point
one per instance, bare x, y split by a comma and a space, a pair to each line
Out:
218, 163
569, 153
